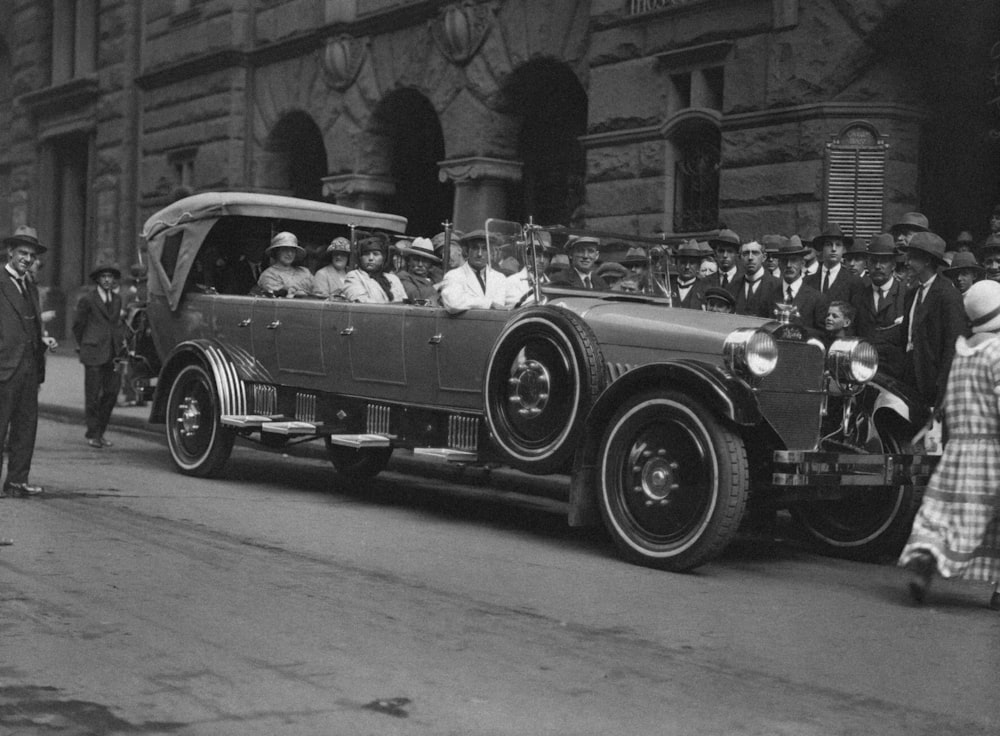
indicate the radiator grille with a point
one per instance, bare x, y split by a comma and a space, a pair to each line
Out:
791, 398
305, 407
378, 419
265, 399
463, 433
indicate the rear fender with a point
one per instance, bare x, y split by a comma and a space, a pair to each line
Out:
231, 388
723, 394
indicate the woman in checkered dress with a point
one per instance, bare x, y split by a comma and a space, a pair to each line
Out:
957, 531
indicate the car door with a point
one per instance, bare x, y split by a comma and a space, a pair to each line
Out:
461, 353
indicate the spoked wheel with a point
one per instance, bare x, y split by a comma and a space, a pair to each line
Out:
360, 464
198, 442
868, 525
672, 481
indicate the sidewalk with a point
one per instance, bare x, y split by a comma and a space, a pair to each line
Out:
61, 396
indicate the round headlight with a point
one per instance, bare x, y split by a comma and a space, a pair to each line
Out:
852, 361
750, 351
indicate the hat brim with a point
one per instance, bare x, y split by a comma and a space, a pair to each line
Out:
15, 240
96, 273
904, 249
284, 245
417, 253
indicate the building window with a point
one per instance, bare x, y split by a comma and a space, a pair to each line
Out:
182, 165
74, 39
855, 180
696, 179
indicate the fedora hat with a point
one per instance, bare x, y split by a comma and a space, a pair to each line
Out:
25, 235
420, 248
612, 270
982, 305
831, 231
929, 243
772, 243
911, 221
963, 260
964, 238
882, 245
339, 245
808, 235
111, 268
689, 249
791, 247
725, 237
284, 239
635, 255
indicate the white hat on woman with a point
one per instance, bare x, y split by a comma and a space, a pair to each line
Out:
982, 304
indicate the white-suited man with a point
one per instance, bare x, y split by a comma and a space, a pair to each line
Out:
474, 285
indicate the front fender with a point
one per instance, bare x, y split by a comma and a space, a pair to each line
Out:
231, 388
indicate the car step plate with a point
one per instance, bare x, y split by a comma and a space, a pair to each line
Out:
358, 441
447, 453
248, 420
291, 428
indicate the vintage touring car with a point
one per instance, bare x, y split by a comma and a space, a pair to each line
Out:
670, 423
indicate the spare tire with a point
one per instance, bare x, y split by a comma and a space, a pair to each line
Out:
544, 372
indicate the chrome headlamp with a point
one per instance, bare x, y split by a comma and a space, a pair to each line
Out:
749, 352
852, 361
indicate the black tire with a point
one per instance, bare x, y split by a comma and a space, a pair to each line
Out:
358, 465
199, 444
869, 526
672, 481
542, 377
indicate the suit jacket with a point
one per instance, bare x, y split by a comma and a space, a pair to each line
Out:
939, 321
695, 298
761, 301
812, 309
571, 277
884, 326
845, 288
20, 330
716, 279
461, 290
98, 328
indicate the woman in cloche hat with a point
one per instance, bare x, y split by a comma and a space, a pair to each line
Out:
330, 280
956, 533
283, 277
370, 282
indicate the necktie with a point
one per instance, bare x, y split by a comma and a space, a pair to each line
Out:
879, 296
913, 316
586, 281
724, 280
482, 280
19, 282
790, 296
826, 280
105, 296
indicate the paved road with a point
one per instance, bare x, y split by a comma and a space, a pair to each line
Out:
136, 600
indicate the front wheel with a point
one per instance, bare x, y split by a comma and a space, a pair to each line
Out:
199, 444
361, 464
673, 481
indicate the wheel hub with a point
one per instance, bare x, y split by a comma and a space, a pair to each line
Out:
655, 477
189, 418
529, 388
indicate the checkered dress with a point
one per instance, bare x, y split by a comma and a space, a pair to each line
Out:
959, 519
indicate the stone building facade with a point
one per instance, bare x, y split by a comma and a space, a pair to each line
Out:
645, 116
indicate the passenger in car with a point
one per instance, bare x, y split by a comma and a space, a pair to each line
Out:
417, 279
283, 278
583, 252
369, 282
329, 281
474, 285
518, 284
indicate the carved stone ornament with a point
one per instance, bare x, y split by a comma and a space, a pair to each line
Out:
461, 29
342, 58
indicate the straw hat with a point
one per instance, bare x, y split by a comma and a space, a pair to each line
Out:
420, 248
982, 304
284, 239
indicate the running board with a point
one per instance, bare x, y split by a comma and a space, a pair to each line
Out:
447, 453
359, 441
248, 421
292, 428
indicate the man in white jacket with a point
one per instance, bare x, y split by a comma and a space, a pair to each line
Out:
474, 285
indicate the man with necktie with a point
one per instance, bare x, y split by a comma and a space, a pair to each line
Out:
584, 252
97, 327
833, 280
757, 289
810, 305
686, 289
883, 306
22, 359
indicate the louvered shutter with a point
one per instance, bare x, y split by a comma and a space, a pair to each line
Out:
855, 184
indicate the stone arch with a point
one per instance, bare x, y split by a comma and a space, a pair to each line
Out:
549, 107
692, 163
407, 143
294, 160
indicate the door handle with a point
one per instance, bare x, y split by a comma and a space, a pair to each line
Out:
347, 330
436, 340
274, 325
244, 322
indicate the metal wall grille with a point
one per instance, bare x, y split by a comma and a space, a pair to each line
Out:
855, 188
463, 433
265, 399
378, 419
305, 407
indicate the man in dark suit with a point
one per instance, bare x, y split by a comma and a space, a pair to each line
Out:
22, 359
97, 327
726, 246
934, 319
833, 280
809, 305
583, 253
686, 289
883, 307
756, 289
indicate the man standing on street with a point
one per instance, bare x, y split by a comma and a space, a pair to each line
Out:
22, 359
97, 327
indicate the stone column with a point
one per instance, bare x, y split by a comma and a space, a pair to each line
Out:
481, 188
361, 191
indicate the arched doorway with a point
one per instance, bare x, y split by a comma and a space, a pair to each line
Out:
551, 105
409, 127
295, 160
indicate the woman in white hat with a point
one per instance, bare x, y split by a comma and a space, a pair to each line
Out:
283, 277
329, 281
957, 531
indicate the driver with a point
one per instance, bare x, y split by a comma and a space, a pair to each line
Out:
518, 284
473, 285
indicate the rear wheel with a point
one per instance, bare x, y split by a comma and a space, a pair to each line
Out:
198, 442
672, 481
358, 464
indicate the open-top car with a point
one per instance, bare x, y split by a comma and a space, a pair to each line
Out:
670, 423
